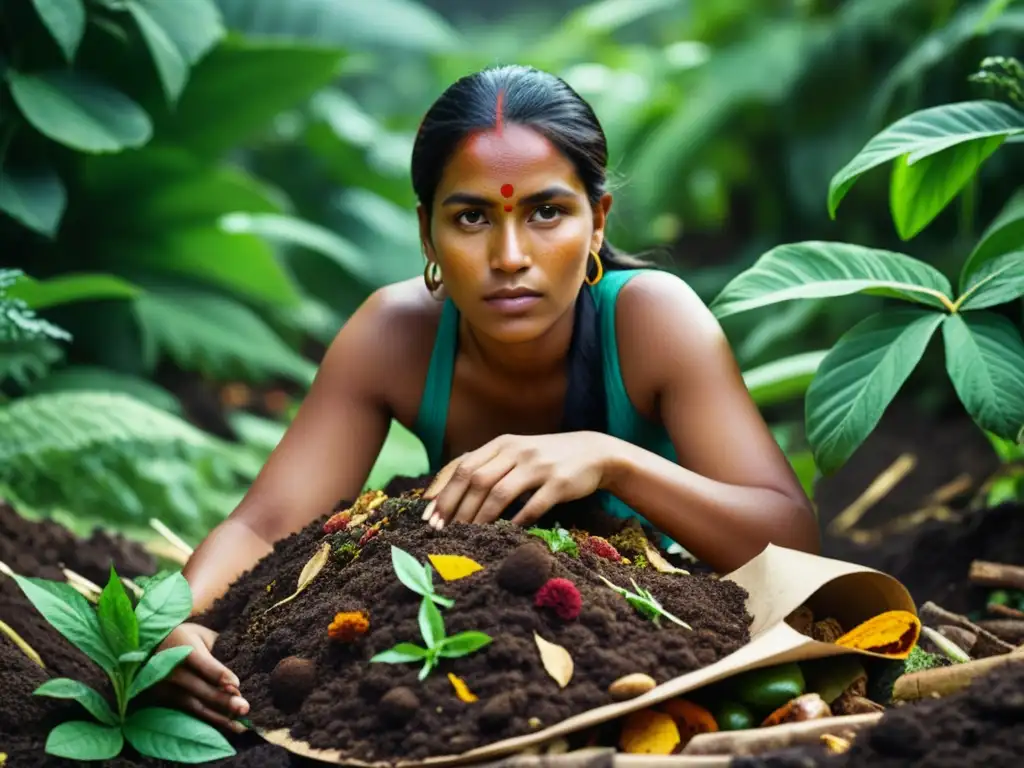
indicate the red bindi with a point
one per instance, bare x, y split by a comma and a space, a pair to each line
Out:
507, 190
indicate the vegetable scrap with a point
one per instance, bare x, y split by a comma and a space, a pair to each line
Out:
461, 689
562, 597
601, 548
691, 718
893, 633
454, 567
631, 686
648, 732
556, 660
349, 626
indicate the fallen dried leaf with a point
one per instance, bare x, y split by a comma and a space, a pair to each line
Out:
835, 745
659, 563
309, 572
454, 567
462, 690
649, 733
556, 660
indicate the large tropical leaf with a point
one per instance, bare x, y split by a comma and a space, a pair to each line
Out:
784, 379
37, 197
94, 379
178, 35
860, 377
1004, 234
79, 111
65, 19
217, 336
985, 360
996, 282
815, 270
70, 287
237, 90
404, 24
928, 132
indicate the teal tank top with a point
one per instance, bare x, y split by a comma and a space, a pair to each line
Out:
624, 421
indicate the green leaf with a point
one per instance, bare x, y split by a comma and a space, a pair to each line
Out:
71, 287
71, 615
117, 617
464, 644
157, 668
171, 735
410, 571
94, 379
985, 361
79, 111
66, 21
431, 623
784, 379
64, 688
925, 133
217, 336
859, 378
403, 653
132, 657
288, 230
178, 35
35, 197
557, 539
1004, 234
163, 607
997, 281
920, 191
814, 270
217, 111
79, 740
400, 24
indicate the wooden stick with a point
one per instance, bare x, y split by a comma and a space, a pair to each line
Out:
879, 488
755, 741
945, 493
82, 585
160, 548
1008, 630
1004, 611
18, 640
987, 574
986, 645
942, 681
176, 541
950, 649
961, 637
5, 569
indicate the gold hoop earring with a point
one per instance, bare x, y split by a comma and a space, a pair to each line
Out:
432, 276
600, 270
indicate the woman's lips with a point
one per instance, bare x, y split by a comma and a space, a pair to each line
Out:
513, 305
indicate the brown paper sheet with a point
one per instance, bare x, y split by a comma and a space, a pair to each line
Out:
778, 581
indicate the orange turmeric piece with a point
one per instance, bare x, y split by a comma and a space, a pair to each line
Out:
461, 689
691, 719
348, 626
893, 634
649, 733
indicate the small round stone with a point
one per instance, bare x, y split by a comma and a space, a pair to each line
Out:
526, 569
399, 705
292, 680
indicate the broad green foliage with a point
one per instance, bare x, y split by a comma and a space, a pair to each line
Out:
120, 638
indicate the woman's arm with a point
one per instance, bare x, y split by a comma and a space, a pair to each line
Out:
325, 455
733, 491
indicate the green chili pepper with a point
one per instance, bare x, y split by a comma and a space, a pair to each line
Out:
733, 716
998, 597
765, 690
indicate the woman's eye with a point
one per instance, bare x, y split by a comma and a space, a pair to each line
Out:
470, 217
548, 212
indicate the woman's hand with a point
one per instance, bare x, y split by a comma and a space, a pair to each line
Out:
201, 684
478, 486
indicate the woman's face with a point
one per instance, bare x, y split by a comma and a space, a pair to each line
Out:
511, 229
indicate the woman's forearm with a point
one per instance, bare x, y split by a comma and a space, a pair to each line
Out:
723, 525
230, 549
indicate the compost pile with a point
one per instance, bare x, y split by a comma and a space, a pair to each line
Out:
307, 664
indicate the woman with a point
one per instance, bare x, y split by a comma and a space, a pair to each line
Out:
532, 357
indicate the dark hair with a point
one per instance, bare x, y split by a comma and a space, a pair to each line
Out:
527, 96
547, 104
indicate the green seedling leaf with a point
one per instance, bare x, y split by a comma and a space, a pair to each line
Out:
998, 281
117, 617
71, 615
163, 606
171, 735
132, 657
463, 644
65, 19
65, 688
431, 623
416, 576
557, 539
645, 603
431, 661
158, 667
403, 653
1003, 235
79, 740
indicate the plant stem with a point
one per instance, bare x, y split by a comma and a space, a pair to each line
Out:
27, 649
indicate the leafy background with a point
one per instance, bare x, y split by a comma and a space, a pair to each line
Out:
192, 202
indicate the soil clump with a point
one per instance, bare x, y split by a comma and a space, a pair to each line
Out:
379, 711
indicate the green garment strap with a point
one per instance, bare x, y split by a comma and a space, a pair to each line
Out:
621, 414
432, 419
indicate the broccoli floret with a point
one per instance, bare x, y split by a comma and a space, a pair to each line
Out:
883, 678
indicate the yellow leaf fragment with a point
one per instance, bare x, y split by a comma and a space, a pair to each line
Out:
836, 745
659, 563
649, 733
309, 572
3, 759
454, 567
27, 649
893, 634
556, 660
462, 690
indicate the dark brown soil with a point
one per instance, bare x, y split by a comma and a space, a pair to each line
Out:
360, 707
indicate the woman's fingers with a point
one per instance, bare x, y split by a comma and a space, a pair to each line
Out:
212, 697
203, 662
509, 488
198, 708
480, 488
